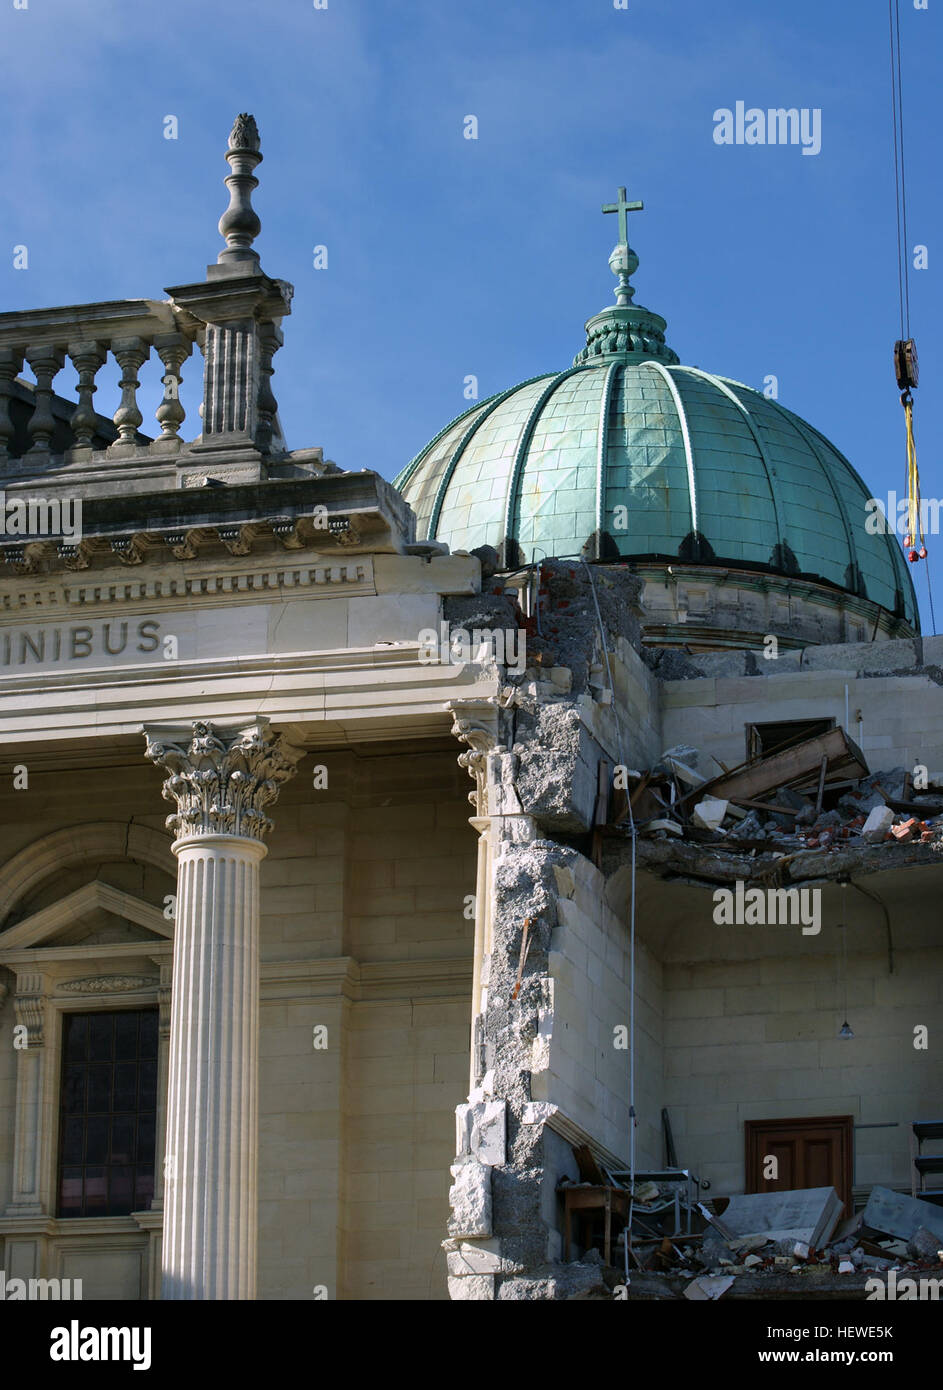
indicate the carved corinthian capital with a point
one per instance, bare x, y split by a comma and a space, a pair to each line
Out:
221, 779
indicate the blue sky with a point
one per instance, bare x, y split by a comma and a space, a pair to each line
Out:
450, 257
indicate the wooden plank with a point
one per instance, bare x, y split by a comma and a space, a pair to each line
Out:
589, 1168
821, 790
797, 763
763, 806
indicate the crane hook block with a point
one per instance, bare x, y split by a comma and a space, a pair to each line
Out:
905, 364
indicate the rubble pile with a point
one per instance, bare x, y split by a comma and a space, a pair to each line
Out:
678, 798
894, 1238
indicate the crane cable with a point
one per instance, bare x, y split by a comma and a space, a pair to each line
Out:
905, 351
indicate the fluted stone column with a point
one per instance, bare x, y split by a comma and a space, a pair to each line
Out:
221, 780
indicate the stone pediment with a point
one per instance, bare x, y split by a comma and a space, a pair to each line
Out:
92, 915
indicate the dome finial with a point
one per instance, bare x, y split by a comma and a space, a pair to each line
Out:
625, 329
623, 260
239, 224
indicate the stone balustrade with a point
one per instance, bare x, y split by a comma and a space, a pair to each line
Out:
234, 316
36, 422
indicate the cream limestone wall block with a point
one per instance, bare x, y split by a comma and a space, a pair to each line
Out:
105, 1273
396, 618
411, 574
483, 1257
583, 1037
475, 1287
309, 625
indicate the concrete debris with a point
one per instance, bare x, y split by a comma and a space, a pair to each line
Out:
707, 1287
846, 1235
879, 822
662, 826
846, 1267
925, 1245
682, 761
712, 1251
709, 814
646, 1192
891, 1214
808, 1216
744, 810
579, 1280
749, 828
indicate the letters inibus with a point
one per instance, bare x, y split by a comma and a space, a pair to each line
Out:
78, 641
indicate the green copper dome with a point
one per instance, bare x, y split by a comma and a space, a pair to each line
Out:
629, 455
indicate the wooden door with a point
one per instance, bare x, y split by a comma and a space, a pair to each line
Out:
811, 1152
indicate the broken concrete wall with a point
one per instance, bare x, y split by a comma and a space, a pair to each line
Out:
554, 1029
497, 1195
584, 1067
557, 768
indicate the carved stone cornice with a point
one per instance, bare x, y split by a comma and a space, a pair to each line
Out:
353, 577
221, 779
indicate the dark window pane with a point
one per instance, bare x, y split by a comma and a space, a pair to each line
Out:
76, 1037
126, 1037
148, 1085
107, 1113
126, 1085
143, 1187
99, 1088
101, 1037
73, 1091
96, 1191
122, 1139
73, 1140
96, 1141
121, 1191
147, 1131
149, 1033
70, 1192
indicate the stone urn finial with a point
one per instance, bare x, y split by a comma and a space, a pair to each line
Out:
239, 224
245, 133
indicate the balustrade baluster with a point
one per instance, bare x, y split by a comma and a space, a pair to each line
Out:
173, 350
86, 357
11, 361
130, 354
46, 363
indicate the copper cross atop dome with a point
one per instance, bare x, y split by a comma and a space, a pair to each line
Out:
622, 207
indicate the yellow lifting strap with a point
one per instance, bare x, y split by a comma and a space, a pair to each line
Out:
914, 509
906, 371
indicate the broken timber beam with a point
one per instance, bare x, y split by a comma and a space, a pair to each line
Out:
842, 760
